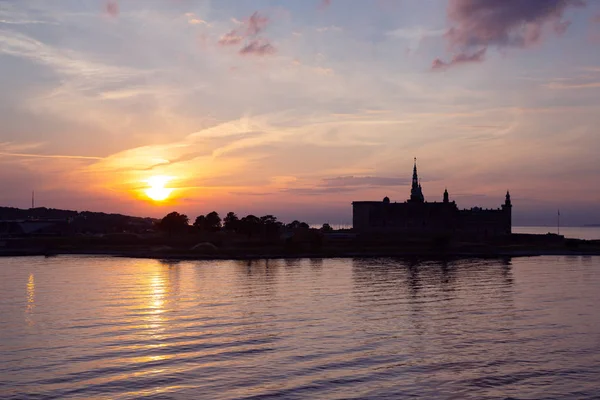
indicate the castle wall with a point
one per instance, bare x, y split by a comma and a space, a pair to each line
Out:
485, 223
423, 219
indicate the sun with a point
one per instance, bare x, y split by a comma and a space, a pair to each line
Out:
157, 190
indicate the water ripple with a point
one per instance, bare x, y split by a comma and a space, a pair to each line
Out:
106, 328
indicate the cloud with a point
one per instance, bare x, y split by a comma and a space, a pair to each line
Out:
259, 47
560, 85
461, 58
417, 32
26, 22
479, 24
346, 184
249, 29
332, 28
231, 39
325, 4
112, 8
255, 24
508, 23
196, 21
317, 191
31, 155
350, 180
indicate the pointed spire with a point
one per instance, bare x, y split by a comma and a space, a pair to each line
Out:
446, 196
507, 201
415, 170
416, 194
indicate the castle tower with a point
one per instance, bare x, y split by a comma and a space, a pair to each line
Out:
446, 197
416, 193
507, 202
507, 208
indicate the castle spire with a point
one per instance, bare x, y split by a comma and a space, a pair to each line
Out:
416, 194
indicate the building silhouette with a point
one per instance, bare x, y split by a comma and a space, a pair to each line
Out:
417, 217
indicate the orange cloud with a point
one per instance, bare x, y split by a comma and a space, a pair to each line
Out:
231, 39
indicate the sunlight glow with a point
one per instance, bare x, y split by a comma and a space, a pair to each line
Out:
157, 190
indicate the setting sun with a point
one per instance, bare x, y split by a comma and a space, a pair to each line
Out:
157, 190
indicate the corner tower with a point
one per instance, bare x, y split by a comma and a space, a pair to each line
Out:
507, 209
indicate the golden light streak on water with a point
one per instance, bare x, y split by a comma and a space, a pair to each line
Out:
30, 299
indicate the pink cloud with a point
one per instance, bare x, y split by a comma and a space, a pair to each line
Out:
255, 24
249, 29
479, 24
231, 38
461, 58
324, 4
112, 8
258, 47
510, 23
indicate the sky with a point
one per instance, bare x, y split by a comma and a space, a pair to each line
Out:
298, 107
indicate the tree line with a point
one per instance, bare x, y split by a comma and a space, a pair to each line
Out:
250, 225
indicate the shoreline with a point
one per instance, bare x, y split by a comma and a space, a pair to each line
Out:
293, 255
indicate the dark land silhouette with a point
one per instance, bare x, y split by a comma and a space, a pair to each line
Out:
43, 231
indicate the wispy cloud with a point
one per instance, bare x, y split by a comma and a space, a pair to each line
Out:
26, 22
572, 85
32, 155
249, 29
62, 60
255, 24
231, 38
415, 32
317, 191
461, 58
373, 181
193, 19
258, 47
331, 28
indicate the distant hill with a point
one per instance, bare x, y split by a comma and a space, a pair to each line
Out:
84, 221
592, 225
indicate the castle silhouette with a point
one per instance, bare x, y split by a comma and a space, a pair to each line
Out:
417, 217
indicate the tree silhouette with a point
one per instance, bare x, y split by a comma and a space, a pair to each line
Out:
326, 228
270, 226
213, 221
174, 222
250, 225
231, 222
200, 222
297, 224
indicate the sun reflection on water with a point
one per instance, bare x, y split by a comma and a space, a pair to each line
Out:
30, 299
157, 290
